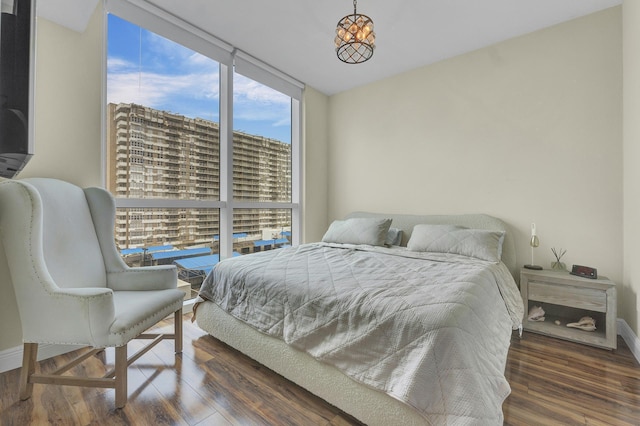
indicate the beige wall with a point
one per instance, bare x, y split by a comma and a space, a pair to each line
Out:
68, 105
528, 130
631, 153
67, 128
315, 151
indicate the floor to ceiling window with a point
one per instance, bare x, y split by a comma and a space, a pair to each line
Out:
201, 146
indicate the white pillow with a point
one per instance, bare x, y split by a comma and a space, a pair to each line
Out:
394, 237
479, 243
358, 230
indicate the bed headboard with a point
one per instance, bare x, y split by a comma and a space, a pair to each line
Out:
406, 222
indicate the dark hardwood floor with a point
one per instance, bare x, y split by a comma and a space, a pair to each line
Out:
564, 383
553, 382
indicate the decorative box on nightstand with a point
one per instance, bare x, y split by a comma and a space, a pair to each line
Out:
567, 298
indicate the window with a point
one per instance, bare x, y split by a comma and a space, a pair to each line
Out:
193, 186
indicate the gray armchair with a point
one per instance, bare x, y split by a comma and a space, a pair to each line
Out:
72, 286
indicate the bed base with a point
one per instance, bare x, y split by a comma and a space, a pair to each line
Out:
362, 402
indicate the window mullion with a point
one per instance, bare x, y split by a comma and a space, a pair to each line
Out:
226, 160
296, 171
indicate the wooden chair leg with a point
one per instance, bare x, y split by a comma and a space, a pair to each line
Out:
178, 330
29, 356
121, 376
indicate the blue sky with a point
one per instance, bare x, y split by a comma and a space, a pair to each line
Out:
147, 69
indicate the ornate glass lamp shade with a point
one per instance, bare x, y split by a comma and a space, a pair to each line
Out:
355, 39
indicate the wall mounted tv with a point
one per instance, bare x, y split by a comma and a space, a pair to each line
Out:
17, 40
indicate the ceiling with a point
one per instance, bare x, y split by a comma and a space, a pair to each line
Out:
296, 36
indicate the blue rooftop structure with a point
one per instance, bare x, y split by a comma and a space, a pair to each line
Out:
131, 251
180, 253
261, 243
151, 249
159, 248
201, 263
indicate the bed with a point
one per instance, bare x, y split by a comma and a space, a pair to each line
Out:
395, 319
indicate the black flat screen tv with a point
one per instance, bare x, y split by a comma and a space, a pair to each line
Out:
16, 85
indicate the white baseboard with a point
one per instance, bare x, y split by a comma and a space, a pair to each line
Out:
12, 358
629, 338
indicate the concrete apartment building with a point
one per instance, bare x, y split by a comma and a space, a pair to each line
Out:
156, 154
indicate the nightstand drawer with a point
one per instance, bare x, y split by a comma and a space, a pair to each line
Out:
575, 297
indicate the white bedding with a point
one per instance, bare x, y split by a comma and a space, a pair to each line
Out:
431, 330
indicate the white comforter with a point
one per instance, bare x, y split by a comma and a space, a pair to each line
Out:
431, 330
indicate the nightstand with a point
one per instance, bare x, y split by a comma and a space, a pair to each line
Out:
567, 298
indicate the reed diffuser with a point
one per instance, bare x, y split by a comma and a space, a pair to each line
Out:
558, 265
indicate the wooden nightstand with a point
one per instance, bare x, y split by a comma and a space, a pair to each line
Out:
567, 298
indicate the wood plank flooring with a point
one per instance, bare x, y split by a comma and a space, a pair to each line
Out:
553, 382
559, 382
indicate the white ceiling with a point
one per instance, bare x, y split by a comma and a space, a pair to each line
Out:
296, 36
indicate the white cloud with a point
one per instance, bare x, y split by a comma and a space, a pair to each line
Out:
254, 101
251, 90
173, 78
126, 84
118, 64
202, 62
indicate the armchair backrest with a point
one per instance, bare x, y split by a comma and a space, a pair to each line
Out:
48, 229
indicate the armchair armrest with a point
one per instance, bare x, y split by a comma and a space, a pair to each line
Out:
143, 278
80, 316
